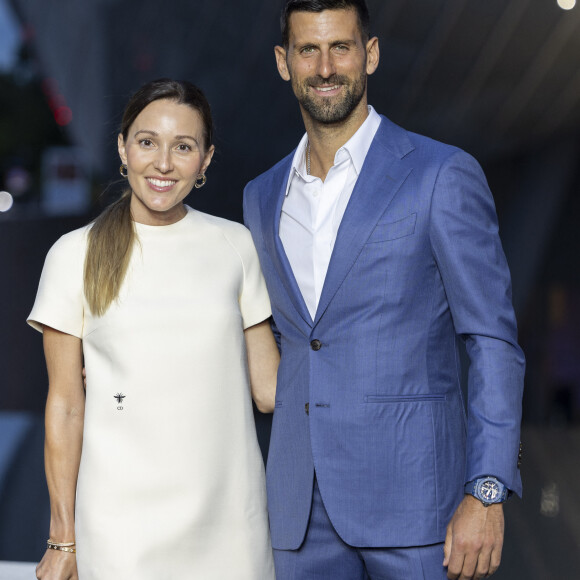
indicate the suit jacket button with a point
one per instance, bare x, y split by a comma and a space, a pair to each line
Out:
316, 344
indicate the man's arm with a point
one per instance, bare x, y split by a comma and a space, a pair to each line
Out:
467, 248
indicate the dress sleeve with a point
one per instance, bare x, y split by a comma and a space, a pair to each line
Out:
254, 300
59, 301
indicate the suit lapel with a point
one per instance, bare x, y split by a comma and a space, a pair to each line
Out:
381, 177
272, 209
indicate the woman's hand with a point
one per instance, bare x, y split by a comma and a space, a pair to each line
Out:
57, 565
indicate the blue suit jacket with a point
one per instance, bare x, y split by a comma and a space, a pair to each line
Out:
417, 266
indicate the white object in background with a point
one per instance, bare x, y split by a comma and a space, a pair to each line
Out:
6, 201
566, 4
65, 181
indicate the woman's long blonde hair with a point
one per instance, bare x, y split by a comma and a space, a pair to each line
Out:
112, 235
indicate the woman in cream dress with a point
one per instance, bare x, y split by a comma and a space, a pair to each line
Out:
167, 309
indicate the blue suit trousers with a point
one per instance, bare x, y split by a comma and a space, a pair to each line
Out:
325, 556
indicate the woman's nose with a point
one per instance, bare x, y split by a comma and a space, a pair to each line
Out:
163, 161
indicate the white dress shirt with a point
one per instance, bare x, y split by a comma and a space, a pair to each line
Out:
313, 209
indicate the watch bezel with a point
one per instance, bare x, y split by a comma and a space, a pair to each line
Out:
475, 488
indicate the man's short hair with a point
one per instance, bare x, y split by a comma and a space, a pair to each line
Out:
290, 6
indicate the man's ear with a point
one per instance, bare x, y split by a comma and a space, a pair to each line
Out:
280, 53
373, 55
121, 148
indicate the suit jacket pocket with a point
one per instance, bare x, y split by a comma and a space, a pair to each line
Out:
384, 232
434, 398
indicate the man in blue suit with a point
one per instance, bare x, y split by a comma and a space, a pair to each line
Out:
381, 253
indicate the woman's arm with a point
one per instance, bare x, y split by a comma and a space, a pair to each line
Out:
263, 359
65, 409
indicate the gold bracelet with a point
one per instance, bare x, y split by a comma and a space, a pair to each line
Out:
61, 544
61, 548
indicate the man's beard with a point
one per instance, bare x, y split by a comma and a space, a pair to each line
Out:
332, 109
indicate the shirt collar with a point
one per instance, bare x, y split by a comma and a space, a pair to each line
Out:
356, 147
359, 144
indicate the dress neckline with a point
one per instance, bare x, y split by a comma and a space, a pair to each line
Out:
145, 228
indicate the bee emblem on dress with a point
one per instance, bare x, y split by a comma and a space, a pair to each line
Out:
120, 397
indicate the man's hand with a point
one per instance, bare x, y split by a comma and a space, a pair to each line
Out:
474, 540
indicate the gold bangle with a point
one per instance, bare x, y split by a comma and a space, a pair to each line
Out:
61, 544
61, 548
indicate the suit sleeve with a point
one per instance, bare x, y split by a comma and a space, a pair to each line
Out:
467, 249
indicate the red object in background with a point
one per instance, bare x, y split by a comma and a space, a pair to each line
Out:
62, 116
56, 101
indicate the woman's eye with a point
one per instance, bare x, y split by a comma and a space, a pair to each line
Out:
183, 147
146, 142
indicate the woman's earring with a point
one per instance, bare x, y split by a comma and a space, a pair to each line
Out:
123, 170
200, 181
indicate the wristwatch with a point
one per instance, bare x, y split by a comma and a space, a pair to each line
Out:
487, 490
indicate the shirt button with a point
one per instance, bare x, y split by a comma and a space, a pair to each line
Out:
316, 344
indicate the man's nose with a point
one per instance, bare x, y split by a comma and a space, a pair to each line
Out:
326, 66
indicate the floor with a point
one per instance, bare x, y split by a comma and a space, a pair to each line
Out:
17, 571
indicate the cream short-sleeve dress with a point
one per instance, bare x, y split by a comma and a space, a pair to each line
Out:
171, 481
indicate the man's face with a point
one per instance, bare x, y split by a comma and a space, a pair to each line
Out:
327, 63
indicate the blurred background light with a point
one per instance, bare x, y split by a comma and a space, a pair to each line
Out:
9, 37
6, 201
18, 180
566, 4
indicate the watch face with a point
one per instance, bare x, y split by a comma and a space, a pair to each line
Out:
489, 490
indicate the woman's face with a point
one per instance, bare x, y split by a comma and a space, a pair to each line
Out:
164, 153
